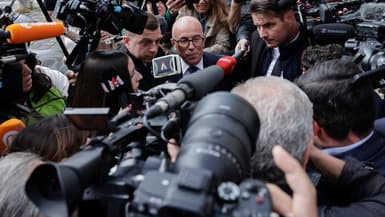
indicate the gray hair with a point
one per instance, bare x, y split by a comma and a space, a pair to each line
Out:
286, 115
15, 169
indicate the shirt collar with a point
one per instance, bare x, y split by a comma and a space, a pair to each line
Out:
185, 66
343, 149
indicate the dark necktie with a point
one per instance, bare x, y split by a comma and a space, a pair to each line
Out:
277, 69
191, 70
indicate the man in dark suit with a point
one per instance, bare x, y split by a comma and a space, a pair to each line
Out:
344, 113
188, 40
277, 44
142, 48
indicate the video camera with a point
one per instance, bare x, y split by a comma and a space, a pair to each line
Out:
355, 24
106, 16
111, 178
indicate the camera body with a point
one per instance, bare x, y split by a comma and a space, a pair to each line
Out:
356, 25
119, 175
190, 193
107, 16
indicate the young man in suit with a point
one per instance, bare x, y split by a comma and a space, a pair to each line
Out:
344, 188
277, 44
344, 113
142, 48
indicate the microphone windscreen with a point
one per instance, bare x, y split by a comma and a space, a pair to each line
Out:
26, 32
203, 81
227, 63
8, 130
333, 32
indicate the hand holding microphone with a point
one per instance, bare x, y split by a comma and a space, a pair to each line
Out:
25, 32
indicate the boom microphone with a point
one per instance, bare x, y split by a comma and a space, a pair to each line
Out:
8, 130
18, 33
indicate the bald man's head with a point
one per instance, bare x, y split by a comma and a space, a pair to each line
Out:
188, 39
184, 23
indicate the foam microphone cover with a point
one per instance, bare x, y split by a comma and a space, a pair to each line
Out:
8, 130
333, 32
26, 32
227, 63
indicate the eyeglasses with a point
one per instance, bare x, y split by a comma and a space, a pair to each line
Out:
184, 42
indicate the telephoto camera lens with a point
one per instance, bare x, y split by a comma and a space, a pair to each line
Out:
220, 137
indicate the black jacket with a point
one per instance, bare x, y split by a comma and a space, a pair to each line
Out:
145, 70
210, 59
358, 192
290, 55
371, 151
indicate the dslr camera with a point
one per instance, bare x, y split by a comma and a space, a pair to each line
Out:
209, 178
101, 14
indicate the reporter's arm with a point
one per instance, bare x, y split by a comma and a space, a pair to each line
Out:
361, 189
330, 167
355, 189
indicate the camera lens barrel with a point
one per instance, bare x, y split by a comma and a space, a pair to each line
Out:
220, 137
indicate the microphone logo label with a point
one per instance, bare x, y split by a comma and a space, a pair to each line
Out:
111, 85
8, 137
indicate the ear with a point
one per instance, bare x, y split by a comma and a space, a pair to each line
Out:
306, 155
125, 39
172, 42
316, 128
289, 16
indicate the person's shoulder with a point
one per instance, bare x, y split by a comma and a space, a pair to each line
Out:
210, 58
379, 125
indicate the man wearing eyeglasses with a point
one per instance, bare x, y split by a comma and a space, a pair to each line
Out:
188, 40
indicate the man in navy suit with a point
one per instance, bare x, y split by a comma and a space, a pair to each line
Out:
344, 114
277, 44
188, 40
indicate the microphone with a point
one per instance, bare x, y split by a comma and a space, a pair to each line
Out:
333, 32
228, 63
8, 130
18, 33
192, 86
195, 86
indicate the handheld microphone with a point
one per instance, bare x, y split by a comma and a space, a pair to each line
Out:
192, 87
189, 87
8, 130
18, 33
228, 63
